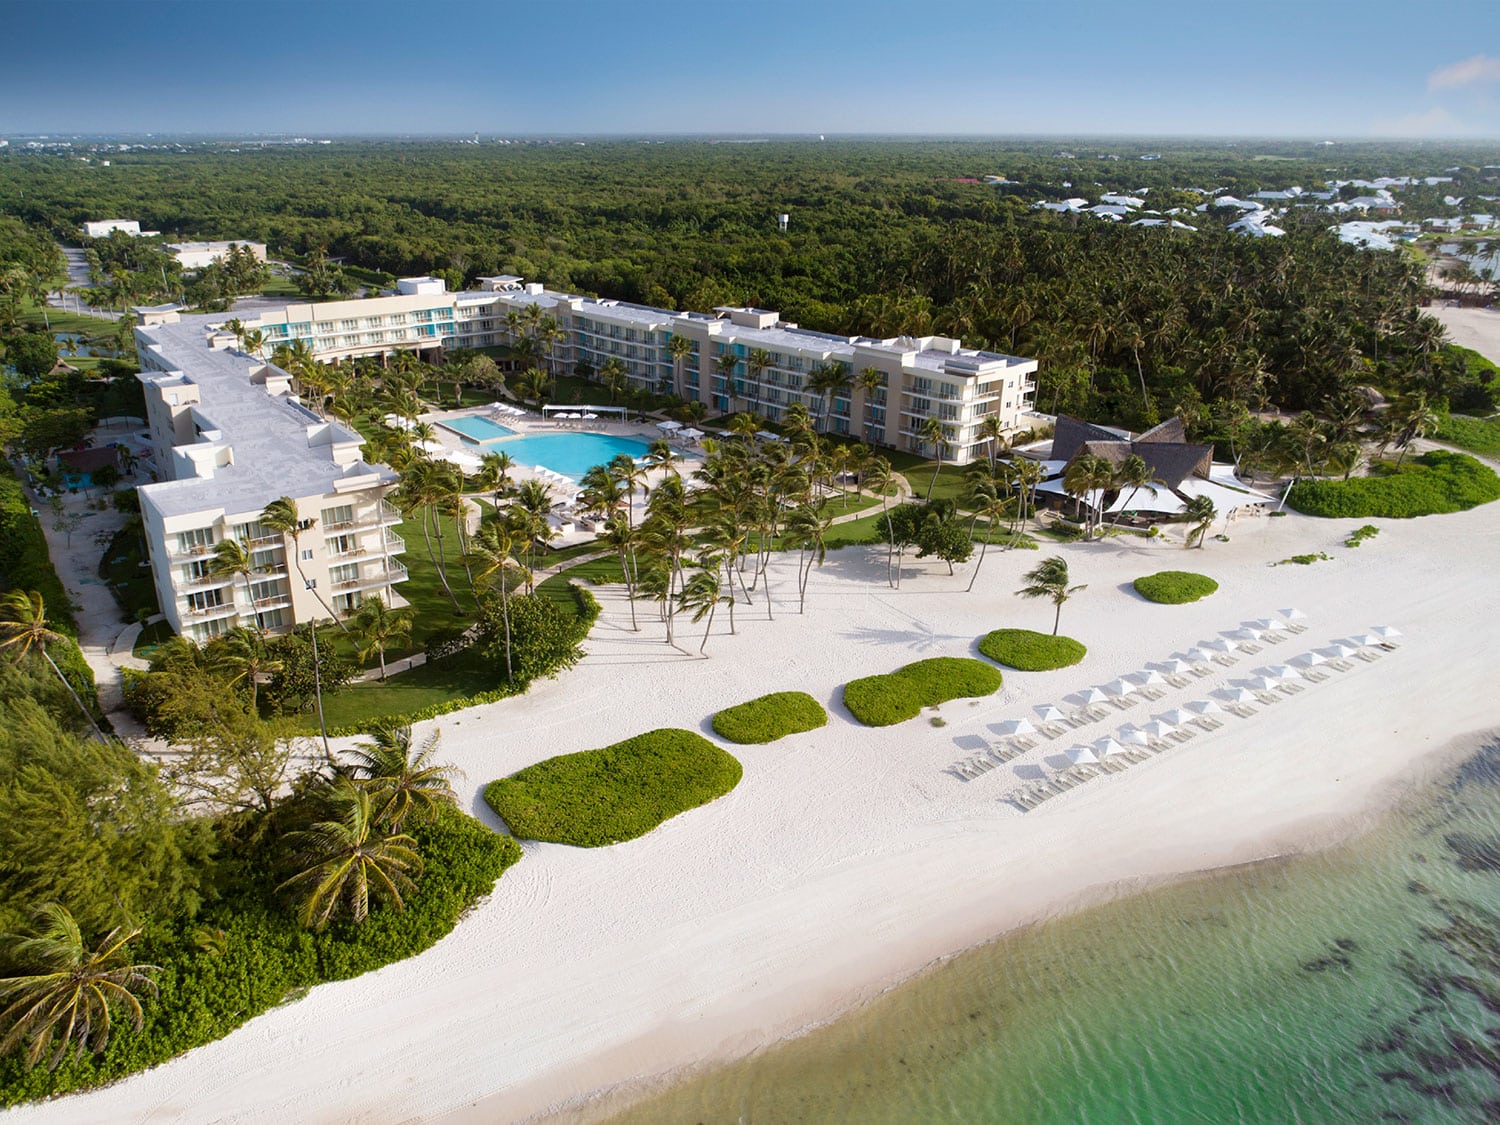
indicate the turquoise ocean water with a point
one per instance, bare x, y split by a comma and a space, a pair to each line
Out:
1361, 984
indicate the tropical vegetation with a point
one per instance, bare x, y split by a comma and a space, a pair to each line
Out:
1435, 482
595, 798
894, 697
769, 717
1029, 651
1174, 587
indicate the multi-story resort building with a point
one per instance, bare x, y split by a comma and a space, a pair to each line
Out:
228, 438
738, 359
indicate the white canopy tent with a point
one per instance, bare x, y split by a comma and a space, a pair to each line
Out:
669, 425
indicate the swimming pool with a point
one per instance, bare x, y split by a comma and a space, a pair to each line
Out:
572, 454
477, 428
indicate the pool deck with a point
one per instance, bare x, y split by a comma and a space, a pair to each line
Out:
532, 424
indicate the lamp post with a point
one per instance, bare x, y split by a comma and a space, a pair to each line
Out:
312, 584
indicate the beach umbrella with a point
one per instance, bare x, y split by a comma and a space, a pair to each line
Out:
1266, 624
1245, 634
1132, 735
1157, 729
1236, 694
1108, 746
1145, 678
1293, 614
1176, 717
1385, 631
1338, 650
690, 432
1203, 707
1308, 659
1078, 755
1118, 687
1196, 656
669, 425
1014, 726
1284, 672
1091, 695
1217, 644
1173, 666
1261, 683
1365, 640
1049, 713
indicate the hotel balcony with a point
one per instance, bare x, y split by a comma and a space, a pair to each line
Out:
390, 544
207, 582
196, 551
384, 514
209, 613
375, 579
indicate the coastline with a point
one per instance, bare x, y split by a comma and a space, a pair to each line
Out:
847, 860
604, 1101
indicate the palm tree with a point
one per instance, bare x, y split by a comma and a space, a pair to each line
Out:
24, 627
726, 362
881, 479
932, 432
405, 784
622, 537
494, 551
242, 655
494, 474
1049, 579
756, 361
992, 430
612, 375
1201, 511
808, 526
231, 560
989, 504
1134, 474
377, 626
65, 990
1417, 417
702, 594
344, 859
679, 348
282, 517
869, 380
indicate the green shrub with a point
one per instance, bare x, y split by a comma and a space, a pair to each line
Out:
1030, 651
245, 954
599, 797
879, 701
1359, 535
1305, 560
24, 562
1433, 483
1478, 435
770, 717
1174, 587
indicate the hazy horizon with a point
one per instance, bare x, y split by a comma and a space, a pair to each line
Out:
774, 68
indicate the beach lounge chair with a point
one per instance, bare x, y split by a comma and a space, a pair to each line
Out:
1295, 627
1340, 665
1223, 660
1367, 656
1248, 647
1268, 697
1201, 670
1176, 680
1314, 675
1289, 689
1241, 710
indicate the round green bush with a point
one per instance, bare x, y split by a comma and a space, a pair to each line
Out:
1431, 484
879, 701
616, 793
1031, 651
1173, 587
770, 717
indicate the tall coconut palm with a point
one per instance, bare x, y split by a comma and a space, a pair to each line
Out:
992, 431
612, 375
377, 627
726, 362
807, 526
989, 503
1135, 475
1201, 512
701, 595
679, 348
622, 537
24, 628
881, 479
756, 361
869, 380
1049, 579
405, 783
64, 992
494, 474
231, 560
282, 517
932, 432
345, 859
494, 548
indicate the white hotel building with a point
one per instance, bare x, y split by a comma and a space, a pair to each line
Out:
228, 438
923, 377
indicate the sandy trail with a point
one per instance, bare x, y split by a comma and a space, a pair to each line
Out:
847, 859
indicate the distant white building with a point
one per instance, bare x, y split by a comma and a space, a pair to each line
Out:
1256, 227
1122, 200
1066, 205
199, 255
103, 228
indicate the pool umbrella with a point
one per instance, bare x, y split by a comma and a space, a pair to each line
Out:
669, 425
1014, 726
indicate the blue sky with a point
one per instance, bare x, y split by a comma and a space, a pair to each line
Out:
507, 67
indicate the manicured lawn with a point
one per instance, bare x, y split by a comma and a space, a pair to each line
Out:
1477, 435
158, 632
432, 610
130, 582
879, 701
599, 797
770, 717
1030, 651
599, 572
1433, 483
1175, 587
427, 685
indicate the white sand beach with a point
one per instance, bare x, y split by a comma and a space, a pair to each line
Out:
847, 859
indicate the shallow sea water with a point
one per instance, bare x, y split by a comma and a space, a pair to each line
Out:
1360, 984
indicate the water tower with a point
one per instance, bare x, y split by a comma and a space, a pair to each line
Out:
781, 222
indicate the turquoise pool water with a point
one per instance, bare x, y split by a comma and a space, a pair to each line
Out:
477, 428
572, 454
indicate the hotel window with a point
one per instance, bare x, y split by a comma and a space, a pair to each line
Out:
341, 514
338, 575
342, 544
194, 572
196, 541
267, 591
273, 558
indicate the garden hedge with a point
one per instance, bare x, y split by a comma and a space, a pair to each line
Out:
879, 701
1030, 651
616, 793
1431, 484
1174, 587
770, 717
